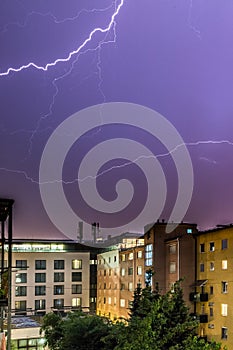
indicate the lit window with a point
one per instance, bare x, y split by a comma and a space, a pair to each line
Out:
172, 249
122, 257
122, 302
114, 300
224, 287
139, 270
76, 302
76, 264
148, 254
189, 230
224, 309
172, 267
109, 300
130, 256
130, 286
224, 264
211, 266
212, 247
21, 305
123, 272
224, 243
20, 291
139, 254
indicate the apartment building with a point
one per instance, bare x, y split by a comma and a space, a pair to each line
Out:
52, 276
171, 255
120, 267
212, 293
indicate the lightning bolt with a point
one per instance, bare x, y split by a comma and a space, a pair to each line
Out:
72, 53
162, 155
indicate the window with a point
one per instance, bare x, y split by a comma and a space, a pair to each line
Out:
211, 312
172, 267
224, 287
59, 277
104, 300
40, 277
59, 264
122, 286
224, 333
172, 249
21, 278
224, 243
58, 290
130, 271
114, 300
58, 303
104, 272
189, 230
76, 276
115, 258
109, 272
122, 302
40, 290
211, 290
40, 264
76, 264
109, 259
76, 289
76, 302
139, 270
211, 266
104, 285
130, 286
202, 267
130, 256
21, 264
20, 291
148, 254
123, 272
115, 286
122, 257
21, 305
224, 309
139, 254
211, 246
202, 247
224, 264
109, 300
40, 304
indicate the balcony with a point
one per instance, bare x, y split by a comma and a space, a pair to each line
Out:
204, 297
193, 296
203, 318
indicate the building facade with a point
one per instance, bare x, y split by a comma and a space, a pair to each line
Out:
212, 293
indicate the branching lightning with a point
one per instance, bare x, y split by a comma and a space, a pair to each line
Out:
72, 53
162, 155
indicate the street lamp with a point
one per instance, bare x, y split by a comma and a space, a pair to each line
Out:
6, 220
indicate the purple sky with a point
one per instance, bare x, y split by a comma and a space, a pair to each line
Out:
175, 57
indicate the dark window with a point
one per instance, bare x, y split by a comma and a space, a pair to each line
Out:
21, 291
40, 277
224, 243
58, 290
115, 258
202, 267
130, 271
40, 304
58, 303
224, 333
202, 247
76, 289
76, 276
21, 278
21, 264
40, 264
122, 286
211, 290
59, 277
224, 287
59, 264
104, 300
40, 290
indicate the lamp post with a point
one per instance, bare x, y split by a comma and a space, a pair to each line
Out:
6, 220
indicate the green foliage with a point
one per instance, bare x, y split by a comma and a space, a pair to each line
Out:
157, 322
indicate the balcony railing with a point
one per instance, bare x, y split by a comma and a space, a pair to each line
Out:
203, 318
